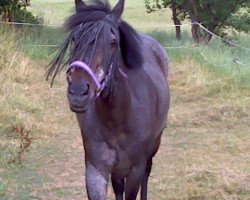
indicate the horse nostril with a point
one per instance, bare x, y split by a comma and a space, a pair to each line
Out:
86, 91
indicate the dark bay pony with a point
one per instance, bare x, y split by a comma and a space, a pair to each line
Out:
118, 89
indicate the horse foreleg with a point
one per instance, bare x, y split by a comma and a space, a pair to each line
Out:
118, 186
96, 182
133, 182
144, 183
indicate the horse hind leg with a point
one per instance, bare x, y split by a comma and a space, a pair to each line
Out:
118, 186
144, 182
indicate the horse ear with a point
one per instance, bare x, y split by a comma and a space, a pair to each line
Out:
118, 9
79, 4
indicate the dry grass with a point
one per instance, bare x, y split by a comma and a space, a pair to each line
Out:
26, 100
204, 152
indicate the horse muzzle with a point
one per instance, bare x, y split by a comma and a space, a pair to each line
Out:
97, 85
78, 102
79, 95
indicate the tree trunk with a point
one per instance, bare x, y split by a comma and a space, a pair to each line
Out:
178, 29
11, 16
192, 9
207, 38
176, 20
196, 34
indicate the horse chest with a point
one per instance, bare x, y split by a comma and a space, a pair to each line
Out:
118, 151
123, 165
129, 153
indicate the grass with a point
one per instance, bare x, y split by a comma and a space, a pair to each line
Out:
219, 57
204, 152
60, 9
208, 136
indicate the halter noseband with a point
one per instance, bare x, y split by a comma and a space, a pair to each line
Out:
99, 86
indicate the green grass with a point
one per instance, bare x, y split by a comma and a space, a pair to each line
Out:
217, 56
61, 10
135, 12
204, 152
35, 45
54, 12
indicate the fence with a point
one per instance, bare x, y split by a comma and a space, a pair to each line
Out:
197, 48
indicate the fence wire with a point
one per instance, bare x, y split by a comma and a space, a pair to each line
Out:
235, 61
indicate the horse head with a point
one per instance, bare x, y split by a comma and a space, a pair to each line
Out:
95, 50
100, 45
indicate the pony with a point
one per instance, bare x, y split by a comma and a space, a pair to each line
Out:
117, 86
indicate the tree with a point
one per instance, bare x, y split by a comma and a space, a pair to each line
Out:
215, 15
240, 20
178, 13
8, 8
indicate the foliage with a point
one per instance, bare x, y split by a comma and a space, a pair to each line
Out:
215, 15
240, 20
23, 16
15, 11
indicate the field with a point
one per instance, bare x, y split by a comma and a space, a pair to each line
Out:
205, 150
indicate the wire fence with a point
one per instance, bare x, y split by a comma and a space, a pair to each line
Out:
30, 24
234, 60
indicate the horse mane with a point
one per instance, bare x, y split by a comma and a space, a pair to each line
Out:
130, 46
84, 18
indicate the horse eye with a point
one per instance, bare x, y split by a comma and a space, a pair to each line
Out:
113, 42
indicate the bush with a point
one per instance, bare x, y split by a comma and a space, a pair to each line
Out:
24, 16
15, 11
